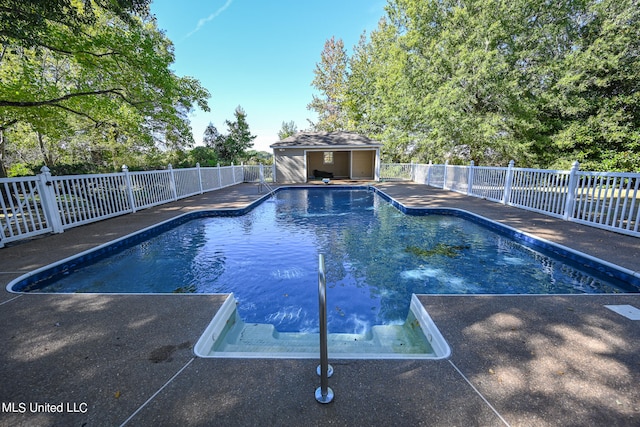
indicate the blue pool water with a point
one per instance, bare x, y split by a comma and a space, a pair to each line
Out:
376, 257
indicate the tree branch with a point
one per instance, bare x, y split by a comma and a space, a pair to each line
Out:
79, 113
69, 52
5, 126
5, 103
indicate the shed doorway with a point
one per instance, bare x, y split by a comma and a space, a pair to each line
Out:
351, 164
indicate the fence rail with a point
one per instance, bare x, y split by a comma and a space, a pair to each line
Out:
252, 173
22, 214
396, 171
35, 205
606, 200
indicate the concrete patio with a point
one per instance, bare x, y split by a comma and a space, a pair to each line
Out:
128, 359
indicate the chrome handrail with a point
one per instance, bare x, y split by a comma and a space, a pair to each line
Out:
324, 394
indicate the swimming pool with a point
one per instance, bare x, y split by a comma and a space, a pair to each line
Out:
377, 256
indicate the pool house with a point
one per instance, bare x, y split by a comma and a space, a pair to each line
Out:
307, 156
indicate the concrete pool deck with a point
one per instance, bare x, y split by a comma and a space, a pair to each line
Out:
516, 360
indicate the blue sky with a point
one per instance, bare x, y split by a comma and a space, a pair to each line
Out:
259, 54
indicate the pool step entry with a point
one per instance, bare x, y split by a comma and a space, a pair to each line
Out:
228, 336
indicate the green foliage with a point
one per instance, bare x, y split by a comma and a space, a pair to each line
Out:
253, 157
600, 103
288, 129
93, 77
19, 169
205, 156
211, 136
232, 147
26, 21
543, 83
330, 80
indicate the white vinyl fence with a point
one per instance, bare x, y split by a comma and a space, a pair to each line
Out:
252, 173
396, 171
606, 200
35, 205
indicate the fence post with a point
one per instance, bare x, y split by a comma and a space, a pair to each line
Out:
506, 196
429, 172
444, 175
470, 183
127, 178
413, 171
199, 177
48, 200
233, 173
219, 176
571, 192
172, 182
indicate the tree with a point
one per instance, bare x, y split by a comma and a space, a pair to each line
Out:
233, 146
330, 79
360, 106
453, 68
27, 22
211, 136
205, 156
287, 129
543, 83
97, 69
597, 100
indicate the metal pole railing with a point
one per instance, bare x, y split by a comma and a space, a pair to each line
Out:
324, 394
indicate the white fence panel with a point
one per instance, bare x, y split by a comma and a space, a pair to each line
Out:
252, 173
187, 182
488, 183
238, 174
82, 199
210, 178
421, 174
457, 178
226, 176
35, 205
151, 188
600, 199
608, 200
21, 212
436, 175
540, 190
396, 171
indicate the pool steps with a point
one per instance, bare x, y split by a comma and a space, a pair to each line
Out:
227, 336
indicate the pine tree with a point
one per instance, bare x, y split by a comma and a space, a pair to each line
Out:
288, 129
238, 140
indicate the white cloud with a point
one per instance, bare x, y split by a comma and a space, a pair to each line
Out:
209, 18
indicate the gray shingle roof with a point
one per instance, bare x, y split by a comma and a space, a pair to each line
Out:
326, 139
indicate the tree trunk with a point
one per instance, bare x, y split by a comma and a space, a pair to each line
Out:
48, 161
3, 169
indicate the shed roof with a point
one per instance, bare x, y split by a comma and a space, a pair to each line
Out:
326, 139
